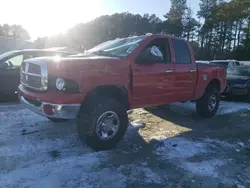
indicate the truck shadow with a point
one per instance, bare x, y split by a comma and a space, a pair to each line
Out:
189, 124
198, 142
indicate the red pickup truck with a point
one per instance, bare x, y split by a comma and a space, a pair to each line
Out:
98, 87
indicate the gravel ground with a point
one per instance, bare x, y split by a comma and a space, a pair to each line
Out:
167, 146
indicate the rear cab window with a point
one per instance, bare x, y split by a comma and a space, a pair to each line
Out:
182, 52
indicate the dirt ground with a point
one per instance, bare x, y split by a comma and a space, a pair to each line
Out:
167, 146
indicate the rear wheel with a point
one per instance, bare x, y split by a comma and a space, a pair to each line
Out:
102, 125
248, 97
208, 105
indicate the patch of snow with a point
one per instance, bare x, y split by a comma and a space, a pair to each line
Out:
28, 160
130, 111
78, 171
40, 146
139, 174
138, 124
241, 144
140, 111
225, 107
180, 151
184, 149
151, 177
219, 142
237, 185
204, 168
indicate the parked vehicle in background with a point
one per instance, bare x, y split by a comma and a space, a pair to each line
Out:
10, 63
238, 79
226, 63
98, 87
245, 63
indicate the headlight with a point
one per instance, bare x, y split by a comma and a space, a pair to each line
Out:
240, 85
60, 84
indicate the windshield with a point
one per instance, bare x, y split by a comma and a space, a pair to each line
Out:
118, 47
240, 71
4, 55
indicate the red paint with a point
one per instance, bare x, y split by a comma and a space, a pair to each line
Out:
48, 109
146, 84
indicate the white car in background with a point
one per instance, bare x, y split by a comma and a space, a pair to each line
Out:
227, 63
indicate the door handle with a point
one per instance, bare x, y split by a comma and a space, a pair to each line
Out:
169, 70
192, 70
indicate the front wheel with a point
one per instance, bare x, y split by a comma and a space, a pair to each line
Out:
103, 124
208, 105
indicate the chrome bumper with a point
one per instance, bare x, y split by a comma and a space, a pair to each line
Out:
62, 111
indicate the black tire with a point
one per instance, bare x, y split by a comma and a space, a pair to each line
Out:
87, 123
202, 105
57, 120
248, 97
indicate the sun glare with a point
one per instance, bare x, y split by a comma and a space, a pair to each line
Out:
45, 18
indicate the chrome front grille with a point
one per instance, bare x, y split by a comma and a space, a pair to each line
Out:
34, 75
33, 68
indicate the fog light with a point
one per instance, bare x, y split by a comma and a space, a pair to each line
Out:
60, 84
48, 109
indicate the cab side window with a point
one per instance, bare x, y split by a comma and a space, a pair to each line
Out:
230, 64
162, 45
181, 50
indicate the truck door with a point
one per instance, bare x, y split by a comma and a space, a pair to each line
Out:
185, 71
153, 77
10, 75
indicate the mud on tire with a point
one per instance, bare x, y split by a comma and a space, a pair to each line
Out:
208, 105
92, 130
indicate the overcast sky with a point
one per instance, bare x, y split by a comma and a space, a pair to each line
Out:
49, 17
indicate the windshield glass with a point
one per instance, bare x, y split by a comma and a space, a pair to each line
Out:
240, 71
118, 47
4, 55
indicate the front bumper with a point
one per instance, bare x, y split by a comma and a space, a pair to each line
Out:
61, 111
236, 91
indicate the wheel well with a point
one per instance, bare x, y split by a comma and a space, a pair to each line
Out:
215, 83
118, 92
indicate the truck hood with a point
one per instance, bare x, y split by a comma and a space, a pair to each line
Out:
82, 63
75, 63
87, 70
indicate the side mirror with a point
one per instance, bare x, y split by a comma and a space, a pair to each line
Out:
150, 55
155, 51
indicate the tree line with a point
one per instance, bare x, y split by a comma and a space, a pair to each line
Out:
14, 31
219, 30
